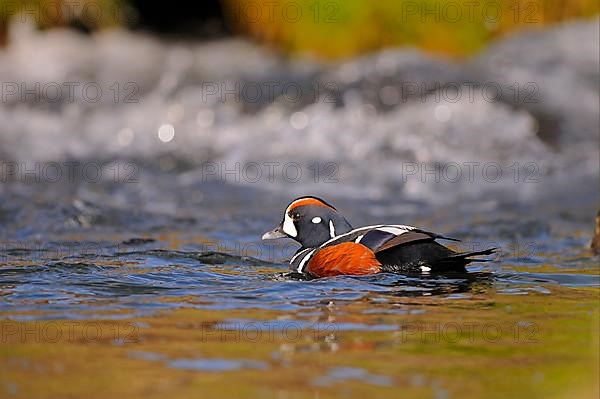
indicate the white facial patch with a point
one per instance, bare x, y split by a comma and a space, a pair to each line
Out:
316, 220
331, 229
289, 227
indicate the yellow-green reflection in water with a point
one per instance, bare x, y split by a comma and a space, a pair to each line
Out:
489, 345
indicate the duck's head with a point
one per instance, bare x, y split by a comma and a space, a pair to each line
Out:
310, 221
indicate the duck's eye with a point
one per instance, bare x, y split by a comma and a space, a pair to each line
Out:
296, 216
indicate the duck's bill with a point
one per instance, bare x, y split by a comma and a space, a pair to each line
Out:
273, 234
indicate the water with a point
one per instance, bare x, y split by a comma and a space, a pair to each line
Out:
510, 117
196, 292
157, 265
218, 262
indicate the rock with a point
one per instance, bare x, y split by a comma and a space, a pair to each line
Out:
596, 240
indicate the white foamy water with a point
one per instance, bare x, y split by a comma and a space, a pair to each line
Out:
393, 122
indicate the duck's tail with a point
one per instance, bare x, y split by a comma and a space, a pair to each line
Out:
461, 259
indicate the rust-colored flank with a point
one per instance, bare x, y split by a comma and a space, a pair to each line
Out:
346, 258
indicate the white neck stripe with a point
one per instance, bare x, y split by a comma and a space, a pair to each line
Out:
298, 254
303, 261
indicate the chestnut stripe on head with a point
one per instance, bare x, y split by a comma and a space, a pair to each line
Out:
308, 201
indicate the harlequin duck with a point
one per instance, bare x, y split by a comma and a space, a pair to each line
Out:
330, 246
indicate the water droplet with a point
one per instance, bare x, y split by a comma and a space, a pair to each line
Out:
299, 120
125, 136
442, 113
175, 113
205, 118
166, 133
